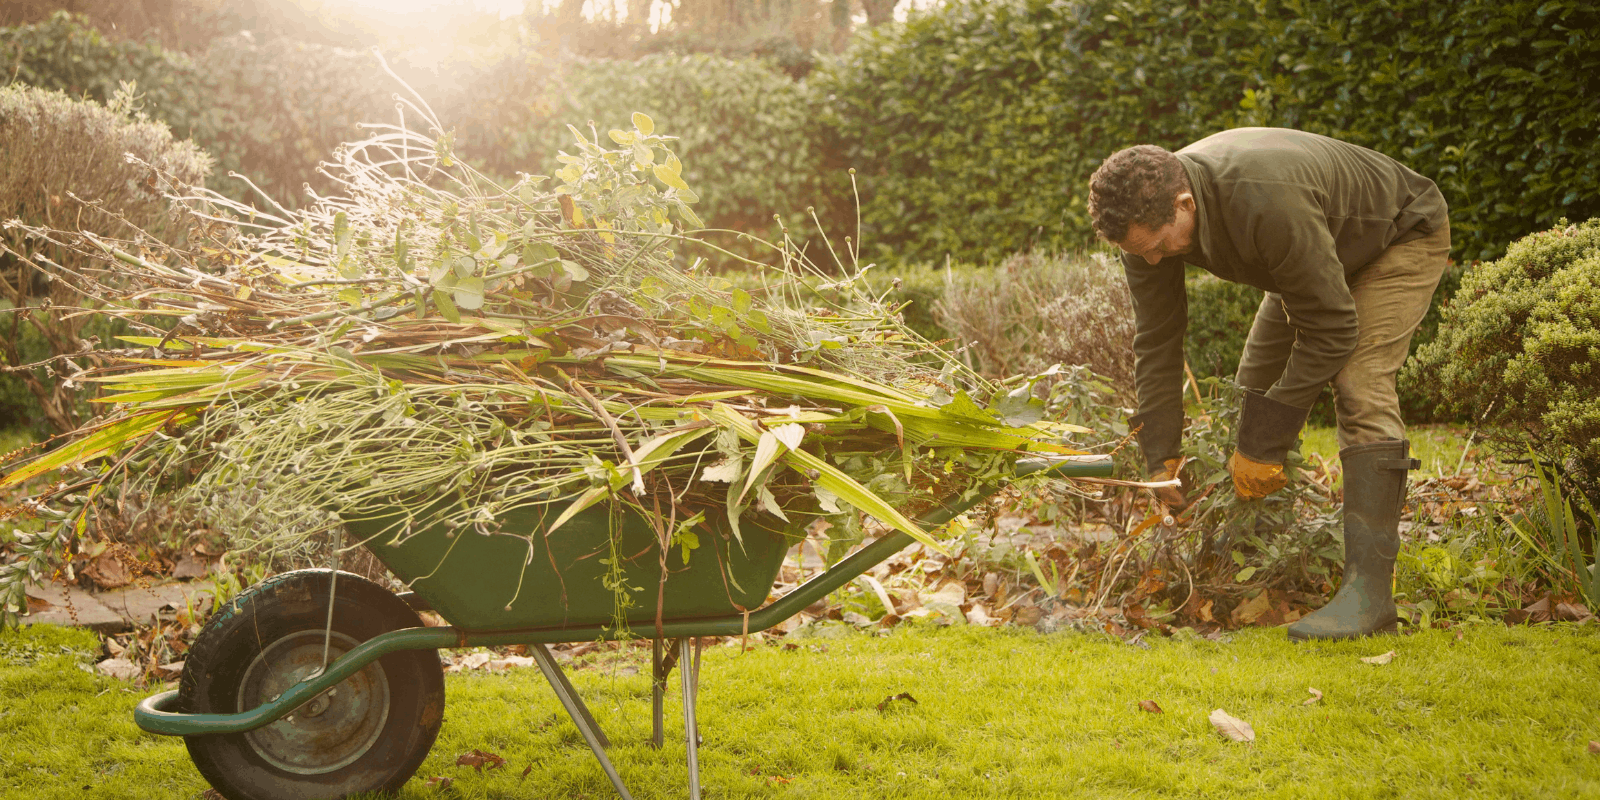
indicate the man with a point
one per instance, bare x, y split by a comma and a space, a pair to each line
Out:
1348, 245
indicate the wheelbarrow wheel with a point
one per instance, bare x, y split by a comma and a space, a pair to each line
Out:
367, 734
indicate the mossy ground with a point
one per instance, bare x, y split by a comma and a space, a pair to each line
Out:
1496, 713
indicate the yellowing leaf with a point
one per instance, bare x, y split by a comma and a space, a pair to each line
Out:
725, 471
1380, 659
643, 122
1232, 727
669, 177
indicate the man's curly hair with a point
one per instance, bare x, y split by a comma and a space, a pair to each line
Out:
1137, 184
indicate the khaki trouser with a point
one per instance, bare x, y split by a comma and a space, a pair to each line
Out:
1392, 295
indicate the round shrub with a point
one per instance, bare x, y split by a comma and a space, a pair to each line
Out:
1519, 347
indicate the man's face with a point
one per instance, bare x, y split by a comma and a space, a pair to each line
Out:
1172, 239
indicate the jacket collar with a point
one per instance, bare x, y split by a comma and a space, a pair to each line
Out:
1204, 201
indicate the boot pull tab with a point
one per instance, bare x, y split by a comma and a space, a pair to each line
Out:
1400, 463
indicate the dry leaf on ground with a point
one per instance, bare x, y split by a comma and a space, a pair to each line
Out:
477, 758
120, 668
884, 706
438, 782
1380, 660
1594, 747
1316, 694
1251, 610
1232, 727
1150, 706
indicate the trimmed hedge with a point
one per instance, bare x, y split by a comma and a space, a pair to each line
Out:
978, 123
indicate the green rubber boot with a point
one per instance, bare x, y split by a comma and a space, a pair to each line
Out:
1374, 493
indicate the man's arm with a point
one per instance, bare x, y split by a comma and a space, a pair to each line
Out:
1161, 314
1291, 236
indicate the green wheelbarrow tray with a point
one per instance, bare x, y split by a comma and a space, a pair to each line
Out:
561, 579
494, 591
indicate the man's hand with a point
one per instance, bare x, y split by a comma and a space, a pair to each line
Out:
1267, 431
1252, 479
1172, 497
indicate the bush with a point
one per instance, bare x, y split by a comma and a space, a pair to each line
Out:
1519, 348
270, 111
977, 124
54, 146
1032, 311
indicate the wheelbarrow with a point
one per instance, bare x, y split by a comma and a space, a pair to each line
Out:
319, 683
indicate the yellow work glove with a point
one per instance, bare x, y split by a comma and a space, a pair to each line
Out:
1172, 497
1252, 479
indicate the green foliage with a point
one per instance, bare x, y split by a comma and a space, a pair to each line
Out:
272, 111
977, 124
65, 53
745, 129
1289, 539
268, 111
1220, 314
1553, 528
1519, 345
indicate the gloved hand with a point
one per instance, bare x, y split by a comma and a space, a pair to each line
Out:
1253, 479
1267, 430
1173, 497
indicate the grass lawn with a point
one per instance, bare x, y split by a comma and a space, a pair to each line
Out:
1001, 713
1438, 446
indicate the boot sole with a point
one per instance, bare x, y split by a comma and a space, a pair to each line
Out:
1391, 629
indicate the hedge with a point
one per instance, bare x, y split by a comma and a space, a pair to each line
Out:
977, 123
974, 125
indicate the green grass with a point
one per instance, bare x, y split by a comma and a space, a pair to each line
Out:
1438, 446
1000, 713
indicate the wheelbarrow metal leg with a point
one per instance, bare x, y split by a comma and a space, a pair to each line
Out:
579, 713
583, 708
661, 663
691, 729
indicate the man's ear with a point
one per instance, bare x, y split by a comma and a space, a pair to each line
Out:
1184, 202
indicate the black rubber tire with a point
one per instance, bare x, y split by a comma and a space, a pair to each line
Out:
243, 628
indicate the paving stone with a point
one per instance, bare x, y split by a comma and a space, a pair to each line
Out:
55, 604
144, 605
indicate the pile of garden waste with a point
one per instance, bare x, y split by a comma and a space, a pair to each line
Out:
430, 334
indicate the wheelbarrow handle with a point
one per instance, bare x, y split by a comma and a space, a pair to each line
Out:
1085, 466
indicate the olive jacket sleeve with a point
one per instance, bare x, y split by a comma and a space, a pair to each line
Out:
1161, 315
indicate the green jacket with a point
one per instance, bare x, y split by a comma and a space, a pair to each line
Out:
1287, 212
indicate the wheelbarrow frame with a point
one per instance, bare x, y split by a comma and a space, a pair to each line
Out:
155, 715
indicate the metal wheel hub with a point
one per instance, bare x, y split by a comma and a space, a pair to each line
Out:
332, 729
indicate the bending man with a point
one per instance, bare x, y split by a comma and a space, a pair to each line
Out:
1348, 245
